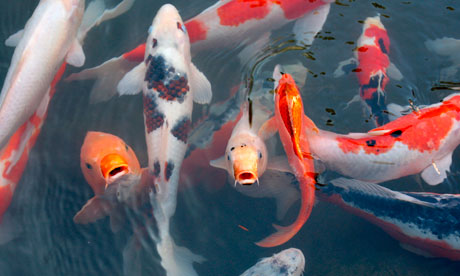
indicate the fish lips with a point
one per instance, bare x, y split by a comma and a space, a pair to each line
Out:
246, 178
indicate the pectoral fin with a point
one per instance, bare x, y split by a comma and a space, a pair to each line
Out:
345, 66
219, 163
14, 39
306, 28
437, 171
131, 83
268, 129
95, 209
279, 163
202, 92
75, 56
394, 73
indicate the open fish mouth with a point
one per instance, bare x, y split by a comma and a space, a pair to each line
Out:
113, 166
246, 178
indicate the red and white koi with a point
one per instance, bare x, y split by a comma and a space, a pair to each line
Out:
15, 154
422, 141
226, 24
289, 121
40, 52
373, 67
170, 84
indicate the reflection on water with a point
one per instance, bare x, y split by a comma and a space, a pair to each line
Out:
334, 242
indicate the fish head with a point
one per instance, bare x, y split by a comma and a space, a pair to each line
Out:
168, 30
104, 158
247, 158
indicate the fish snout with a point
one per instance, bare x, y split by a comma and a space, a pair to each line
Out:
113, 166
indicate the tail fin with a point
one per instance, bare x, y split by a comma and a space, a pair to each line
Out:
285, 233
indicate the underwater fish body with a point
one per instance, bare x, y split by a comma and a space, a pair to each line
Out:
289, 122
37, 58
422, 141
112, 170
372, 67
170, 83
289, 262
427, 224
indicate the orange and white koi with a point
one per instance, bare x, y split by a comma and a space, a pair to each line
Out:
246, 155
112, 170
373, 67
289, 121
226, 24
422, 141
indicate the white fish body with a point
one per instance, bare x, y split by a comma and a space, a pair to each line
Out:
289, 262
48, 37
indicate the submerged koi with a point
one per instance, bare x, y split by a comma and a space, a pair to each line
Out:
422, 141
424, 223
40, 52
373, 67
226, 24
289, 262
112, 170
289, 122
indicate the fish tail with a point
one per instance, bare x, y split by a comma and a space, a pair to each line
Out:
285, 233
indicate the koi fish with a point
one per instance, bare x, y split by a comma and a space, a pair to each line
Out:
372, 67
112, 170
424, 223
289, 262
14, 156
246, 160
226, 24
170, 83
422, 141
40, 52
289, 123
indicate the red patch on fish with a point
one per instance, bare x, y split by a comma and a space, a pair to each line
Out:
6, 195
371, 62
197, 30
423, 131
378, 33
237, 12
135, 55
296, 8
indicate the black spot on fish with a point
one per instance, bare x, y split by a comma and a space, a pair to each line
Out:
373, 82
154, 43
396, 133
370, 143
382, 46
182, 129
153, 118
170, 85
88, 165
148, 59
156, 169
169, 167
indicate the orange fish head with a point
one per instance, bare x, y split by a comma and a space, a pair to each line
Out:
287, 87
104, 158
245, 164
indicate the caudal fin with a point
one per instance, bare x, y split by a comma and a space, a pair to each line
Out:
285, 233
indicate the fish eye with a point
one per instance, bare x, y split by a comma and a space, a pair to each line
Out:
126, 147
181, 27
89, 166
228, 157
260, 155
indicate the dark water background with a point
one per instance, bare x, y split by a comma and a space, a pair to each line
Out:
334, 242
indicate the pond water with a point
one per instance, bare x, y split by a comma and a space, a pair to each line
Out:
334, 242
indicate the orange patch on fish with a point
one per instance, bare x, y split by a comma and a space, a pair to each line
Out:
135, 55
238, 12
296, 8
